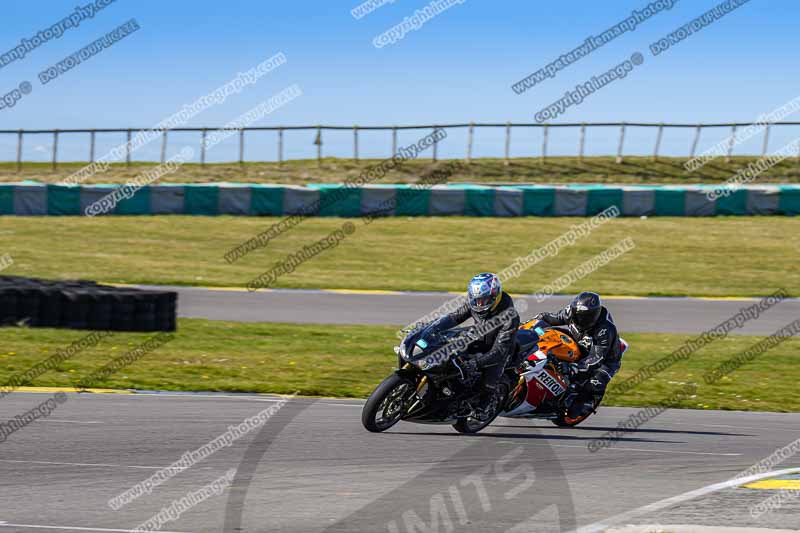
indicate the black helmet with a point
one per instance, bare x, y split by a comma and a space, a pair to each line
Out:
585, 309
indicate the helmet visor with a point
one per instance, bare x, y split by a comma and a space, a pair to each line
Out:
586, 319
481, 303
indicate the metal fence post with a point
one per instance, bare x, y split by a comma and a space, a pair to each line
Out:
435, 145
508, 144
318, 142
621, 143
280, 146
696, 140
470, 133
55, 149
582, 142
203, 147
731, 142
91, 146
19, 150
241, 146
544, 143
128, 150
394, 141
766, 141
355, 143
658, 141
163, 146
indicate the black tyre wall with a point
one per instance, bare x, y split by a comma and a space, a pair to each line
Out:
84, 305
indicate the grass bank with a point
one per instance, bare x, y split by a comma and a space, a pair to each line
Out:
643, 170
742, 256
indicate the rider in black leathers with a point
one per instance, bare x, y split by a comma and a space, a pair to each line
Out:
496, 323
593, 329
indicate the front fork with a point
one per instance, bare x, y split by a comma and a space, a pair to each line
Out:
419, 393
408, 371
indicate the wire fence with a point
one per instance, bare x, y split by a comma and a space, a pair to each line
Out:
696, 131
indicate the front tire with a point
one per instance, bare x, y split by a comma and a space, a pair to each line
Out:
385, 406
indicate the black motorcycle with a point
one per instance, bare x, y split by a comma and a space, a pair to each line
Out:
430, 386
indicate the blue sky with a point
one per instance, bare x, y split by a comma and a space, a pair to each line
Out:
458, 67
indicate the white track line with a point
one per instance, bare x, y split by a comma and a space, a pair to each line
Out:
669, 502
345, 402
645, 450
76, 528
248, 397
763, 428
656, 450
70, 421
80, 464
186, 396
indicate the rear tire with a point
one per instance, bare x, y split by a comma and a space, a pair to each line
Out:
385, 406
471, 425
563, 421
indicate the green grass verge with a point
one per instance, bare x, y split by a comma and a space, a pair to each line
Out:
351, 360
484, 170
743, 256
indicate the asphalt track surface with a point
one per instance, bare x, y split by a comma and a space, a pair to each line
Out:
655, 315
313, 468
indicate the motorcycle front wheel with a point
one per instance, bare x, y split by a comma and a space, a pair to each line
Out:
385, 406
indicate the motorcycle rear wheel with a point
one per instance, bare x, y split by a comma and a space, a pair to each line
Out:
473, 425
385, 406
563, 421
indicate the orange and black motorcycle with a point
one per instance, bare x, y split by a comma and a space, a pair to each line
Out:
544, 388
